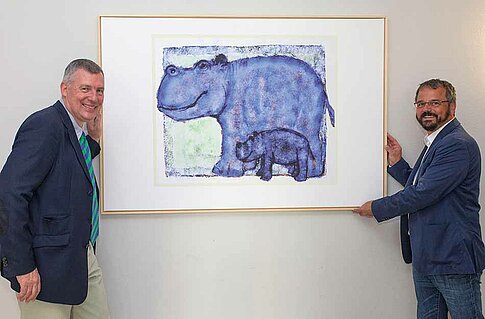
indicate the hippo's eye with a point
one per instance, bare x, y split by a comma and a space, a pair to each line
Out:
203, 65
171, 70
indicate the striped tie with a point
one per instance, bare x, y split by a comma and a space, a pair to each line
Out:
94, 207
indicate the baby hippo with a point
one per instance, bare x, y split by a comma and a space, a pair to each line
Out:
281, 146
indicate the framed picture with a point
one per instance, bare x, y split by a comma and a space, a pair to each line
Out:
208, 114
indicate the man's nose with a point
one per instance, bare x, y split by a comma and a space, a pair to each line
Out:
92, 95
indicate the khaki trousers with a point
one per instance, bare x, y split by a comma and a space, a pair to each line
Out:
94, 307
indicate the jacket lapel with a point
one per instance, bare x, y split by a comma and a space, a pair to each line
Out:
448, 128
66, 120
416, 167
424, 163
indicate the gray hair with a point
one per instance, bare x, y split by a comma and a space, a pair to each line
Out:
84, 64
436, 83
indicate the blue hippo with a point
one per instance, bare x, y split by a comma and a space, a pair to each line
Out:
246, 95
277, 146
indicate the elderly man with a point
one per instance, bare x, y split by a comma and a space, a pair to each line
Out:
49, 195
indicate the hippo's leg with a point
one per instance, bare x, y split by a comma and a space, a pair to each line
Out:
315, 163
292, 169
228, 165
266, 168
228, 168
324, 154
261, 167
302, 162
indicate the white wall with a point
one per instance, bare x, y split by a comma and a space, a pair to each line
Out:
269, 265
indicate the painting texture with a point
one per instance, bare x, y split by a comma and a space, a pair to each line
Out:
253, 110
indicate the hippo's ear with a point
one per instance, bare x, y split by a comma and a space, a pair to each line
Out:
220, 59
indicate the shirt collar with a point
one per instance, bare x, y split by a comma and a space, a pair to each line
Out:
428, 139
78, 129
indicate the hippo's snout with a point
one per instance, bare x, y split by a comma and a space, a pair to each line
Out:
161, 107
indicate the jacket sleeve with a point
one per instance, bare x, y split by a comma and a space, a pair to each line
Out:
400, 171
446, 171
3, 219
93, 146
33, 154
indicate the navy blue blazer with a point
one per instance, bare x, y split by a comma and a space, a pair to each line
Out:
443, 205
46, 194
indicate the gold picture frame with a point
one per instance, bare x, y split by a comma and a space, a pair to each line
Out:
134, 54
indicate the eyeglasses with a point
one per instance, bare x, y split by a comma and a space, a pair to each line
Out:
432, 103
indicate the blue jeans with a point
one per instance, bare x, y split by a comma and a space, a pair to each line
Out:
438, 294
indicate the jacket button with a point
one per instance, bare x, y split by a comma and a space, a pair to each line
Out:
90, 193
4, 262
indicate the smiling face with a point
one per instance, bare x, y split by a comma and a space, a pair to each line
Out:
83, 95
432, 118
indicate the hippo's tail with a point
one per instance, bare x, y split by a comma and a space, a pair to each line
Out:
331, 112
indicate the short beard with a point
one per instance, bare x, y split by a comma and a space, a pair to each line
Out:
431, 127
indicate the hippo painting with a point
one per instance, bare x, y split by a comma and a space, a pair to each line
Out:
251, 94
277, 146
